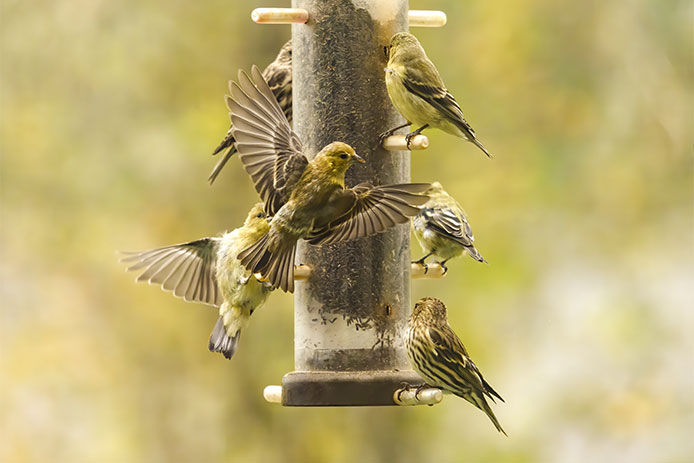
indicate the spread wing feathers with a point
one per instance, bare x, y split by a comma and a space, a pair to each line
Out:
451, 352
276, 266
270, 151
369, 210
279, 80
188, 269
427, 84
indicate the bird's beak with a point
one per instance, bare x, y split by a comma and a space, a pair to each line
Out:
359, 159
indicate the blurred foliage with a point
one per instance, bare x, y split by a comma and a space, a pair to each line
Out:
582, 321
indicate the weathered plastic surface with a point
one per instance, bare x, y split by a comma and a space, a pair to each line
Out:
351, 313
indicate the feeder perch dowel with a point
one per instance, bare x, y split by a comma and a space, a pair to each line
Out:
273, 394
421, 271
279, 15
399, 143
426, 18
421, 18
417, 271
414, 396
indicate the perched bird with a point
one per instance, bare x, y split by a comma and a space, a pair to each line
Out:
278, 75
442, 229
208, 271
440, 357
306, 199
418, 93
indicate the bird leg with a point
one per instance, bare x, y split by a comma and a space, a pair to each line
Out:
390, 132
404, 386
443, 265
411, 135
421, 262
420, 388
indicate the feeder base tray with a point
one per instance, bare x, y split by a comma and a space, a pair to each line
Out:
349, 388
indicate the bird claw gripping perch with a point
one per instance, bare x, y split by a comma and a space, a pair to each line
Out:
400, 142
433, 270
413, 134
417, 395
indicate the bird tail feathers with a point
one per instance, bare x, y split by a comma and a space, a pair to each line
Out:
488, 410
475, 254
489, 390
277, 266
222, 162
221, 342
478, 144
478, 401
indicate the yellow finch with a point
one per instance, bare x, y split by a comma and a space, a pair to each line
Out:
307, 199
278, 74
208, 271
442, 229
418, 93
440, 357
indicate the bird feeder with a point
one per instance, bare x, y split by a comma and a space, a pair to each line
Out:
352, 299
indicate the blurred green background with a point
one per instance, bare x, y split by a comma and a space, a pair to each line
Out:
582, 321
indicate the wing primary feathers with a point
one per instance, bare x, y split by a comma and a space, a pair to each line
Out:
185, 279
270, 151
375, 209
188, 269
262, 86
176, 274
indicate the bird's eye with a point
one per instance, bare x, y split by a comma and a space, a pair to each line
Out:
343, 156
260, 216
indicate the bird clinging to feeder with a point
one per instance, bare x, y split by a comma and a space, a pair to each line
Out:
442, 228
307, 199
437, 354
419, 94
207, 271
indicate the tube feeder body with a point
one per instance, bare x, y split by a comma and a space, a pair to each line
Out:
351, 313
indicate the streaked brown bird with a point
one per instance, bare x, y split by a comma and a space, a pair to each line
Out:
437, 354
278, 75
307, 199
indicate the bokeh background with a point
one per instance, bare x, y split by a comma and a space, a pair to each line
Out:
582, 321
